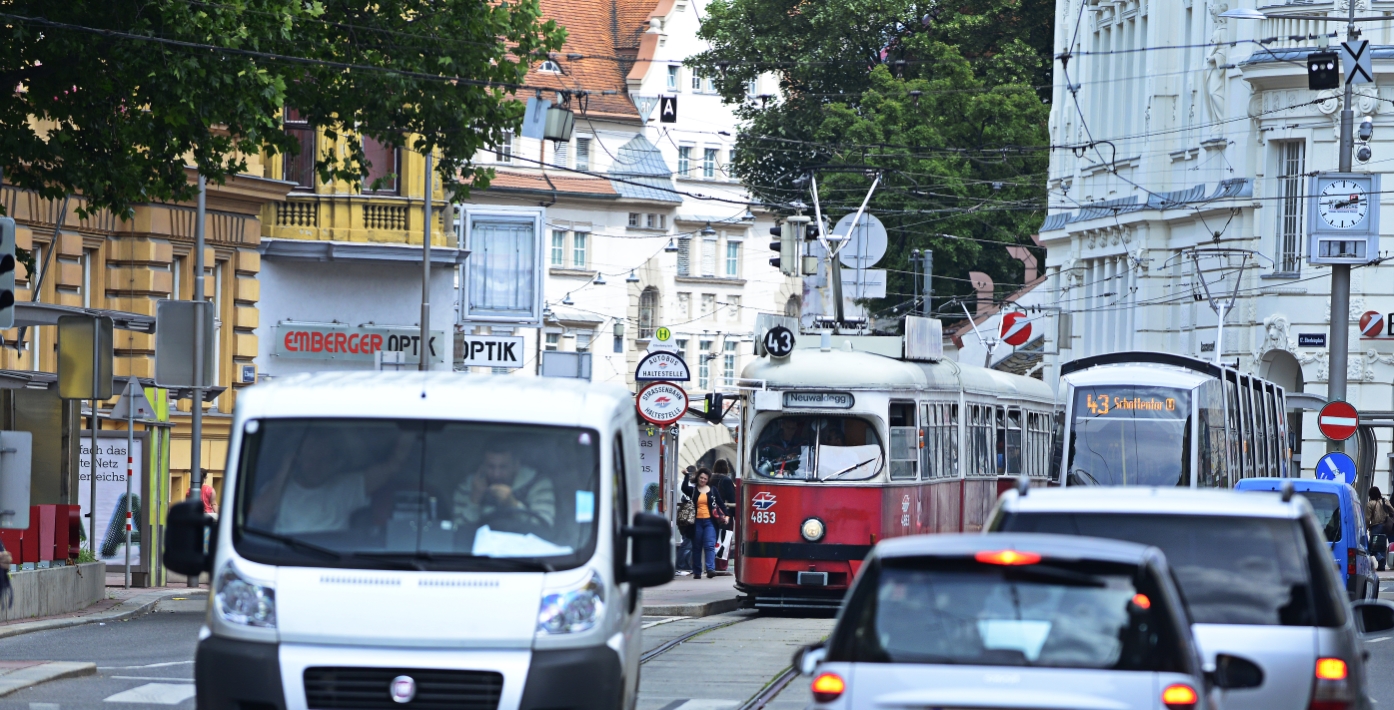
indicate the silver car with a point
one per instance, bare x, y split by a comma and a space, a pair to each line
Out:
1046, 622
1255, 573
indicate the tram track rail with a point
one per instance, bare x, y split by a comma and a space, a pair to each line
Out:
771, 690
674, 643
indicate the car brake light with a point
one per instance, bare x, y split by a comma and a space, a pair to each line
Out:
1141, 601
1331, 669
1350, 561
1179, 697
828, 687
1007, 557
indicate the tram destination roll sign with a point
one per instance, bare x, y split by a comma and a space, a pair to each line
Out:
818, 400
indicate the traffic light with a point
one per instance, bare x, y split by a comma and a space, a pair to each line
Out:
788, 247
715, 402
1323, 71
7, 272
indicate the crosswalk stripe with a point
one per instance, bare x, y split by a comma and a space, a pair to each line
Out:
155, 694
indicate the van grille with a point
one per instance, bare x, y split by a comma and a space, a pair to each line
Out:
364, 688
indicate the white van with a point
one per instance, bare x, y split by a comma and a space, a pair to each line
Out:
425, 540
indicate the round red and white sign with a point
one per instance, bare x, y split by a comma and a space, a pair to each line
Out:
661, 403
1338, 420
1372, 324
1016, 329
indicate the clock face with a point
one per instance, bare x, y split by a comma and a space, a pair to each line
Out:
1343, 204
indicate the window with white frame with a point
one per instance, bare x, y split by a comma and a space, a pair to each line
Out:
648, 312
657, 221
673, 71
561, 154
704, 364
1292, 159
685, 161
709, 85
681, 345
503, 152
558, 247
733, 259
583, 154
549, 66
579, 243
504, 271
709, 257
728, 364
709, 162
584, 338
696, 83
552, 340
751, 86
635, 219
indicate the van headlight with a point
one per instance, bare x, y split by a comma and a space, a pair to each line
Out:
243, 602
573, 610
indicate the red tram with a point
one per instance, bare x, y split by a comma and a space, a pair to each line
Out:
841, 448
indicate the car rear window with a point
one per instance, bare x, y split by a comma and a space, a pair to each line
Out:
1327, 507
1232, 570
1053, 614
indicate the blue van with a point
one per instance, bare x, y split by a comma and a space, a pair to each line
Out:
1338, 509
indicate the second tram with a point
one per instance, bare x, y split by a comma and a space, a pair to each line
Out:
842, 448
1157, 419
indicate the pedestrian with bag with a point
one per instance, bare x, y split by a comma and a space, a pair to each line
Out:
710, 512
726, 485
686, 521
1379, 516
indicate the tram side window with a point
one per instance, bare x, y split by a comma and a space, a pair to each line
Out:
1275, 431
979, 444
1038, 436
818, 448
904, 441
1235, 469
1261, 459
1248, 422
941, 440
1214, 446
1013, 442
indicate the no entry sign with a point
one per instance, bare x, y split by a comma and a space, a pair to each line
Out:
1338, 420
1016, 329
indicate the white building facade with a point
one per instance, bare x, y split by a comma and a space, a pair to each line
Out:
1177, 129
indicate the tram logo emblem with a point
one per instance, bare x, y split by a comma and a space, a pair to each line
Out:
905, 504
763, 500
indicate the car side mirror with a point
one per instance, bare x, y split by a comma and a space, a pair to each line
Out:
1373, 617
1235, 673
651, 552
806, 659
186, 549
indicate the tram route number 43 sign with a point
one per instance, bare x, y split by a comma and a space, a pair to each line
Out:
661, 403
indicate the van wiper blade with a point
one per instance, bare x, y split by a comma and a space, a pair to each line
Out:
295, 542
512, 563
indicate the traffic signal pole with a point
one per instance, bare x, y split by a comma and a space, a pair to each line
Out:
1339, 341
424, 346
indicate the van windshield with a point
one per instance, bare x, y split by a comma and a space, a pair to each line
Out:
416, 494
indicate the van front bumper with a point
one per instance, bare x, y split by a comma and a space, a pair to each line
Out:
243, 675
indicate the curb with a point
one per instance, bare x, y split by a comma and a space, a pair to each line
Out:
127, 609
42, 673
694, 611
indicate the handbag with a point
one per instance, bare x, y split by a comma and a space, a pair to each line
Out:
687, 512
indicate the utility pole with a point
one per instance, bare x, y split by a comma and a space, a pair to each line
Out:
424, 347
196, 451
1340, 273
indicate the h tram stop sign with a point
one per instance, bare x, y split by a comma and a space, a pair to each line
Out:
1338, 420
1336, 466
1016, 329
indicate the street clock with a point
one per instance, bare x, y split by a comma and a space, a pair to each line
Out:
1343, 218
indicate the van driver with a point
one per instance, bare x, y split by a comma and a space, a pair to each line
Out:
506, 495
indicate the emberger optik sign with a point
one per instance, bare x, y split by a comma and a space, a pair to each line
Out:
321, 341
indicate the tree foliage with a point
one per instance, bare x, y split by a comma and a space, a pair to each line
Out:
115, 96
944, 102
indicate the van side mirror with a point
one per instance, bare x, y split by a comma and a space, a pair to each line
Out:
651, 557
1234, 673
1373, 617
806, 659
185, 549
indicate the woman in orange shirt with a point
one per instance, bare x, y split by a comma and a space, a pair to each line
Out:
710, 509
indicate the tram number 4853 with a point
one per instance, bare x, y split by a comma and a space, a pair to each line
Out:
762, 516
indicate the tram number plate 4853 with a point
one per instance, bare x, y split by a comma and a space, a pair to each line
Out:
762, 516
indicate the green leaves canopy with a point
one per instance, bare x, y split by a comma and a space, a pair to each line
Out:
116, 95
944, 102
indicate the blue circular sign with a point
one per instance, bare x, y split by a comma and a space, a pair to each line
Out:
1336, 466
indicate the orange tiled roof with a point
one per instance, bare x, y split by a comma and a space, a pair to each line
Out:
538, 182
599, 28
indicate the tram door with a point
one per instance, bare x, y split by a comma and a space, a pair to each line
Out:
901, 507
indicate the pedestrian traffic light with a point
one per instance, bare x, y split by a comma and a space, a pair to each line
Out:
1323, 71
788, 247
7, 272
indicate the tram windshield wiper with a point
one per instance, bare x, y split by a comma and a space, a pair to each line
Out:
850, 469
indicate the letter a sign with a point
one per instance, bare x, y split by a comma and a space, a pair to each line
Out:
667, 109
1355, 57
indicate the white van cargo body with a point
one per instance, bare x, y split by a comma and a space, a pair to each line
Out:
424, 540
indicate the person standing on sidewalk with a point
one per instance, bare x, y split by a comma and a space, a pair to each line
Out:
710, 511
724, 484
1379, 516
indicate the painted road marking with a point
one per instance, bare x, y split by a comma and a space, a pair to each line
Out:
148, 665
155, 694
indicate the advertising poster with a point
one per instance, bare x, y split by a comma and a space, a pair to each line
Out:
649, 470
111, 497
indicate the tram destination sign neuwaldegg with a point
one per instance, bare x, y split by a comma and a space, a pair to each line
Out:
818, 400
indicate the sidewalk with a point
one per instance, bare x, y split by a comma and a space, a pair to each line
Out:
120, 604
17, 675
685, 596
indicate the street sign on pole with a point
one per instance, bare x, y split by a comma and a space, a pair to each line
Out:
174, 343
1338, 420
1355, 59
1336, 466
662, 365
84, 357
661, 403
1016, 329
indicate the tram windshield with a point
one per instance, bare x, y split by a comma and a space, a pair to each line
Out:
818, 448
1130, 435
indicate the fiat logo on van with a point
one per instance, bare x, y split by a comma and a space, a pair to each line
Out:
403, 689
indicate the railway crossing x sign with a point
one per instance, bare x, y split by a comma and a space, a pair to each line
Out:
1355, 59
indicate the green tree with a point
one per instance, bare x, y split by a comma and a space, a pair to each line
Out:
944, 104
116, 95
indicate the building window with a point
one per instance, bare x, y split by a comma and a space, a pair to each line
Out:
176, 269
704, 373
88, 256
505, 267
380, 175
558, 247
751, 86
728, 364
553, 341
709, 163
560, 155
578, 249
583, 340
709, 258
685, 161
300, 168
583, 154
685, 306
657, 221
696, 83
708, 304
549, 66
733, 259
648, 312
635, 219
681, 345
1292, 154
684, 256
673, 77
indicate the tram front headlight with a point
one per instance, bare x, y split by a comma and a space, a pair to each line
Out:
813, 530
